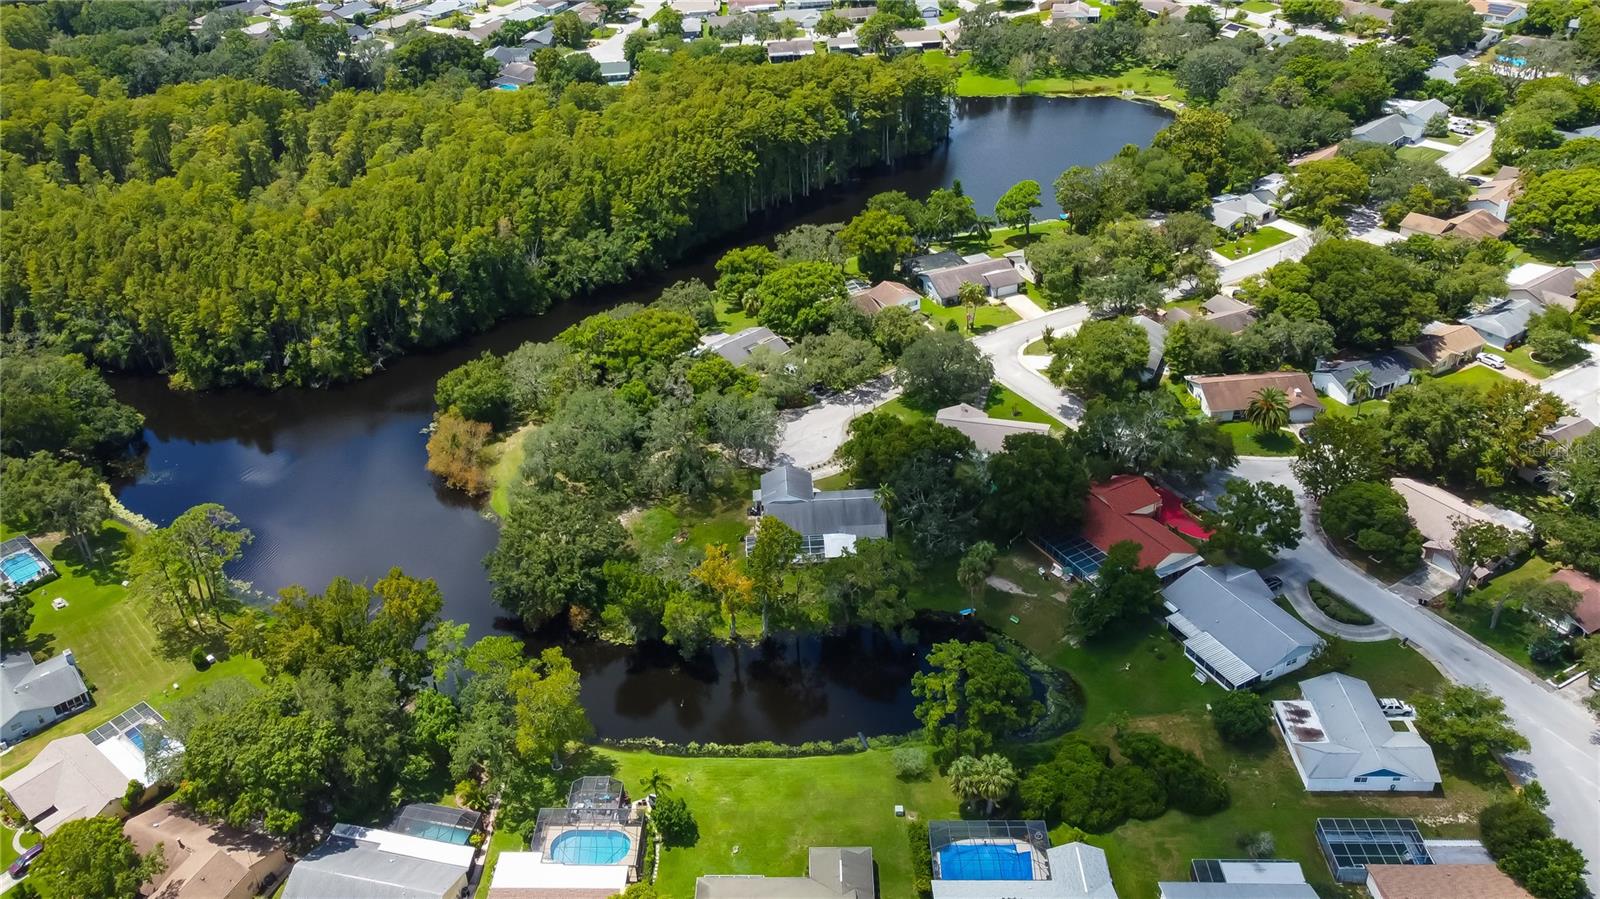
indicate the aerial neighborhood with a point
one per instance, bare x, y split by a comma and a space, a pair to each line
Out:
800, 449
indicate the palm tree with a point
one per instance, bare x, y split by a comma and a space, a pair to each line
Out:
1268, 410
971, 296
1360, 388
989, 778
656, 782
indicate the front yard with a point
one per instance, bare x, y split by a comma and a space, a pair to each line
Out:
1254, 242
1516, 628
1421, 154
1248, 440
1479, 376
986, 318
1522, 360
1002, 403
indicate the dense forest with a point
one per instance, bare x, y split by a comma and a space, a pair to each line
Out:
225, 231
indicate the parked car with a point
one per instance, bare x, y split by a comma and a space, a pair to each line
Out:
1394, 708
1491, 360
20, 866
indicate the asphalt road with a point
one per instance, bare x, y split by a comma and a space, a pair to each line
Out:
1565, 753
1004, 348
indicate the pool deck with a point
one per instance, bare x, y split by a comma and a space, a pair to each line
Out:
546, 837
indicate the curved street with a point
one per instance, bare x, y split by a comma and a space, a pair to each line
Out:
1565, 742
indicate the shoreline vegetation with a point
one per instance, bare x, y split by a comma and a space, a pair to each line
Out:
1146, 84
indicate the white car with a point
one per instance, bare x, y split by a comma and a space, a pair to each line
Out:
1394, 708
1492, 360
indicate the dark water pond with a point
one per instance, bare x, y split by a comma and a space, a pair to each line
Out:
789, 689
332, 481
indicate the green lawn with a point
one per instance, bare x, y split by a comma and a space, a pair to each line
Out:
987, 318
1002, 403
506, 469
114, 642
1516, 628
1001, 241
1369, 408
1258, 6
1522, 360
1254, 242
504, 840
733, 320
1420, 154
1143, 81
760, 816
1249, 441
680, 528
1479, 376
1037, 348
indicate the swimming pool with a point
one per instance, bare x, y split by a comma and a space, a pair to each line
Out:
590, 847
442, 833
985, 861
21, 568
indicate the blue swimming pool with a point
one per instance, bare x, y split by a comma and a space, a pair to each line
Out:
985, 861
21, 568
590, 847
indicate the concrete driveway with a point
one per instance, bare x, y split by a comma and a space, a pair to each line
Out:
812, 435
1580, 387
1470, 154
1565, 742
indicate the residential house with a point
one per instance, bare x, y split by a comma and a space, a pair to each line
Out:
929, 13
1437, 514
349, 11
738, 347
69, 779
752, 6
1227, 313
696, 9
829, 521
1447, 68
1444, 347
1270, 189
1350, 843
1341, 741
204, 859
1504, 323
1154, 8
883, 295
1128, 508
1499, 13
589, 14
616, 72
513, 75
807, 4
1386, 370
1585, 619
1352, 8
831, 873
987, 434
438, 9
805, 19
1525, 56
1547, 285
997, 277
360, 861
1222, 878
1474, 224
1156, 336
692, 28
1231, 211
539, 38
1232, 631
1227, 397
1026, 870
1434, 881
1073, 13
1567, 429
36, 696
856, 14
844, 43
921, 265
505, 55
482, 31
1405, 124
920, 39
789, 51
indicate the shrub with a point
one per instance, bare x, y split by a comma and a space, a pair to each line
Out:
1506, 825
910, 763
1258, 845
1241, 717
1549, 649
197, 658
1191, 786
675, 822
132, 795
1334, 606
921, 858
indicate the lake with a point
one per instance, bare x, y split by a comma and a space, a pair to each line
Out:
332, 482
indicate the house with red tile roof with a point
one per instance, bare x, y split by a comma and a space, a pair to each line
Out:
1127, 508
1586, 617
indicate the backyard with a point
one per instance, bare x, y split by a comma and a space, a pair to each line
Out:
1002, 403
1254, 242
759, 816
113, 639
1142, 81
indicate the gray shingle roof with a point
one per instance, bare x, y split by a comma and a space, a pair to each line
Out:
25, 686
1505, 319
1358, 739
787, 494
358, 869
1234, 607
1185, 890
737, 347
991, 273
1388, 369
